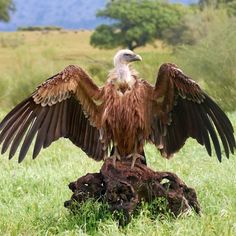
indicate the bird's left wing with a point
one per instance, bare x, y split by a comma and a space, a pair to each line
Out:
181, 109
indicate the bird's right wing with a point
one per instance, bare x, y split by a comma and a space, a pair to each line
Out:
65, 105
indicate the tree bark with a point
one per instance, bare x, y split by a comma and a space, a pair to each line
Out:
124, 189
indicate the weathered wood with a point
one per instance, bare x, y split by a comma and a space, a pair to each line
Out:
124, 188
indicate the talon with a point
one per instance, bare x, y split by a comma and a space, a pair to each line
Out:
114, 157
134, 157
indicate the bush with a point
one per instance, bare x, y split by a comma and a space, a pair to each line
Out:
194, 26
212, 61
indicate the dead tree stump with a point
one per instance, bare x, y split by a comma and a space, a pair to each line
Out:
124, 188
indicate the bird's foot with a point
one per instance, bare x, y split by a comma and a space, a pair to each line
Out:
114, 158
134, 157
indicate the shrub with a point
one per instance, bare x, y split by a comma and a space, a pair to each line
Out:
212, 61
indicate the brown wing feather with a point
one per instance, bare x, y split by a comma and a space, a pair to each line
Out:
71, 81
56, 109
182, 110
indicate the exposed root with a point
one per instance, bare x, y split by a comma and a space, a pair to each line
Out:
124, 188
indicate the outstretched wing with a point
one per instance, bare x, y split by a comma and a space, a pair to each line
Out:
63, 106
181, 110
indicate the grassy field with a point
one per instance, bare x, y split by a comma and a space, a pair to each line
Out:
32, 193
28, 58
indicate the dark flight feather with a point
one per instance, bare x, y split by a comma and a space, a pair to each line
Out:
54, 110
20, 134
193, 114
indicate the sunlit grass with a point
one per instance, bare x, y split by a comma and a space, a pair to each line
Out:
32, 194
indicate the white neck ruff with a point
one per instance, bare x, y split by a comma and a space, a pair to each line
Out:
124, 75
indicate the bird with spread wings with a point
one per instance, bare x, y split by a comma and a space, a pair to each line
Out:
123, 114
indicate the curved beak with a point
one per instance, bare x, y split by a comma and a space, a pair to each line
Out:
136, 57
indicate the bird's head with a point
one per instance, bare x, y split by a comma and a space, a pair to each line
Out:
125, 57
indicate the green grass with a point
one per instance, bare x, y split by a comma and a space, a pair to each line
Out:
32, 193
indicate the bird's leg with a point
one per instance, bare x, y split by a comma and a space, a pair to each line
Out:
135, 155
115, 156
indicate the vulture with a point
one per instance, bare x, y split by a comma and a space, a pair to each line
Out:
117, 119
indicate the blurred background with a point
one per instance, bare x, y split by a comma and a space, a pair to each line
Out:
40, 38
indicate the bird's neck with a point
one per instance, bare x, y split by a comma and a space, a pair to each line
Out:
124, 75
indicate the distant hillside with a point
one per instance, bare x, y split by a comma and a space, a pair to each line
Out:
69, 14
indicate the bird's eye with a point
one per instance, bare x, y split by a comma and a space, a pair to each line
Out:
127, 55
